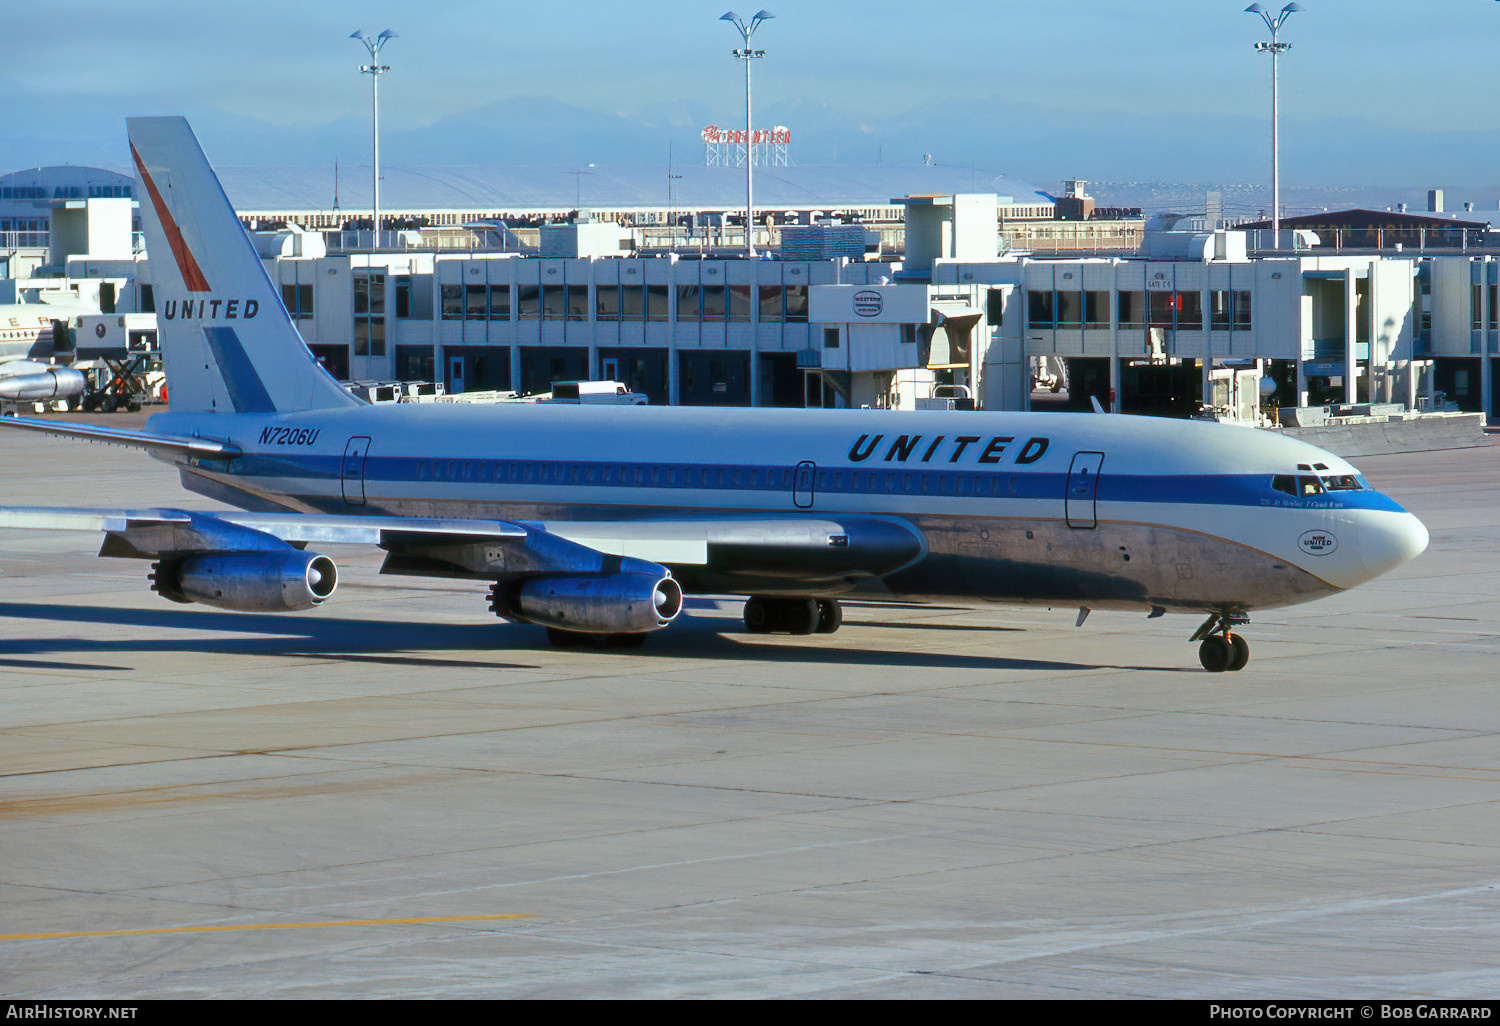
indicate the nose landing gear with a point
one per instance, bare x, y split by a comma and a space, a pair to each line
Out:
1219, 649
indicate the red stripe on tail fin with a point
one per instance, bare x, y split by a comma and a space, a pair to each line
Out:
192, 275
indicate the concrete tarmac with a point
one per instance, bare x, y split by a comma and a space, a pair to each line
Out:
398, 796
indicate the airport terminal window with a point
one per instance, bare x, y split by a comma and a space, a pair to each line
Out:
1229, 311
1095, 310
688, 303
1218, 310
529, 302
1131, 307
453, 302
1070, 309
1189, 311
1039, 313
994, 306
369, 294
1180, 310
633, 302
554, 302
771, 299
1162, 308
298, 300
606, 302
796, 303
577, 302
713, 302
477, 302
499, 302
369, 336
656, 302
413, 300
739, 302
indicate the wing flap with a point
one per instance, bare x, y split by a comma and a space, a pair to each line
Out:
794, 547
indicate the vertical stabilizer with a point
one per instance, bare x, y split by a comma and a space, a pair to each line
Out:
227, 343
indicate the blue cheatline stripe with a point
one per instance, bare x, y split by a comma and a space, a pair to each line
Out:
246, 390
994, 486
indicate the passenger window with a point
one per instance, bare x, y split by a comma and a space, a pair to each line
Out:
1284, 483
1310, 486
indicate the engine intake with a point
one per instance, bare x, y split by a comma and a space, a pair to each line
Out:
248, 582
615, 603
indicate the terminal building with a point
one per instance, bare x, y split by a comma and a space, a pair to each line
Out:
843, 310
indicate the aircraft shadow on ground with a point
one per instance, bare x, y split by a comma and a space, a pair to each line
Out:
424, 644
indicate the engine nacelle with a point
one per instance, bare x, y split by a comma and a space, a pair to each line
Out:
248, 582
42, 383
625, 603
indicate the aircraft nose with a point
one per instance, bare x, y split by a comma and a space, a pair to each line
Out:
1388, 540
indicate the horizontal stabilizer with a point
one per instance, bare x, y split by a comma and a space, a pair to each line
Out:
132, 439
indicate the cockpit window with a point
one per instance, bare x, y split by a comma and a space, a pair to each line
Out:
1341, 483
1309, 486
1285, 483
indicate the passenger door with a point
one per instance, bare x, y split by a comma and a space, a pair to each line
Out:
1080, 499
353, 476
802, 484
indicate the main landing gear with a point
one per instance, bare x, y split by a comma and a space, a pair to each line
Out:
765, 615
1221, 650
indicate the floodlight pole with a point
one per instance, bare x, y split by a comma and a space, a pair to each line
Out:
375, 69
1274, 48
747, 55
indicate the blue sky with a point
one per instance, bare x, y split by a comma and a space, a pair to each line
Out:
1383, 92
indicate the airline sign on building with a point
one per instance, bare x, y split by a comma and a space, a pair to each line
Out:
863, 304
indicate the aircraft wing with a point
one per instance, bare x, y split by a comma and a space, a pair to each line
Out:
812, 549
133, 439
734, 553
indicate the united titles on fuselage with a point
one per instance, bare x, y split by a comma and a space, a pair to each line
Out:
903, 447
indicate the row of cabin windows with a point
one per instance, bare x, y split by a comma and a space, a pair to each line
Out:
773, 478
1228, 309
752, 478
769, 303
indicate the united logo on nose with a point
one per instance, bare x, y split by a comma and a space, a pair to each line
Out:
1317, 543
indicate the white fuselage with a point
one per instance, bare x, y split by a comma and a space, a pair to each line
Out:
1062, 509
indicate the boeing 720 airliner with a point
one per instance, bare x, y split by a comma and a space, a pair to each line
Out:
594, 521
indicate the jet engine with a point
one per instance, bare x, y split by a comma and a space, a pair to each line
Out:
248, 582
623, 603
30, 381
